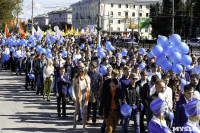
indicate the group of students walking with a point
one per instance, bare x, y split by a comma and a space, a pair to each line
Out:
78, 77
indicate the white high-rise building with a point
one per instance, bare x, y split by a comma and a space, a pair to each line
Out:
116, 14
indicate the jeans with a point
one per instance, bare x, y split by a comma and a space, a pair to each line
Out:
17, 65
135, 116
103, 126
80, 114
40, 84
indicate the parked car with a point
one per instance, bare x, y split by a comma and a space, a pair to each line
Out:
194, 42
126, 42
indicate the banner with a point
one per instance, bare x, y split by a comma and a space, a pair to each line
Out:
12, 22
144, 22
7, 31
101, 9
21, 31
29, 26
134, 23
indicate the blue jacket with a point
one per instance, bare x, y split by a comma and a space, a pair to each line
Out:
61, 87
180, 117
156, 128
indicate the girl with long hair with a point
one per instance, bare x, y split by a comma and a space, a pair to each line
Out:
48, 73
80, 93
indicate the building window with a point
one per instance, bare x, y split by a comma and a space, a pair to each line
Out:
119, 13
146, 29
118, 21
126, 5
134, 6
118, 29
111, 21
140, 6
111, 13
112, 5
126, 29
133, 14
147, 6
140, 14
119, 6
126, 14
147, 14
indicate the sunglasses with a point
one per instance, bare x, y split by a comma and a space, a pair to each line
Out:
134, 78
81, 71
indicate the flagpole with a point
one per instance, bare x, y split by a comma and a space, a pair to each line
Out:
32, 17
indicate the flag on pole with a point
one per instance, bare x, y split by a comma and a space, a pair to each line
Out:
48, 34
7, 31
65, 28
12, 22
21, 31
34, 33
40, 33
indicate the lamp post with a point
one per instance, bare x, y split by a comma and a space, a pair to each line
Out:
172, 16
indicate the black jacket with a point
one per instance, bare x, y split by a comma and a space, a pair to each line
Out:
106, 98
131, 96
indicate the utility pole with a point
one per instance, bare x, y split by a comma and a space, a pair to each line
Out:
138, 24
109, 23
32, 17
99, 23
80, 14
172, 16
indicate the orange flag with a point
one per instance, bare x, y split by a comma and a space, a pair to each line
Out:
7, 31
21, 31
12, 22
65, 28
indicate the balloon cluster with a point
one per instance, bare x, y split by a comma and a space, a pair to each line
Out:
100, 51
171, 53
109, 46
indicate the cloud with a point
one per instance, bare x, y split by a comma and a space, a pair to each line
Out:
37, 5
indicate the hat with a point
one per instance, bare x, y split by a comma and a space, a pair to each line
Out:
193, 108
157, 106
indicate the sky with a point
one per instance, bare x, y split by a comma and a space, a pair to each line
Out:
43, 6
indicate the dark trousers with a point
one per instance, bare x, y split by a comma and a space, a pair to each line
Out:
17, 66
28, 81
94, 108
12, 64
142, 119
63, 97
40, 84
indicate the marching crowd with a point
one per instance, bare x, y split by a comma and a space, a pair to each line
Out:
79, 76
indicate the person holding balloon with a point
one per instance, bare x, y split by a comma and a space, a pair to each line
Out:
193, 110
18, 60
158, 123
131, 97
29, 70
61, 91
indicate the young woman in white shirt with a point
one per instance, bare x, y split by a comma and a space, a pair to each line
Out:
48, 73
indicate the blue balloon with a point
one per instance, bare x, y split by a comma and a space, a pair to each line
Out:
118, 54
163, 41
166, 66
159, 60
175, 57
150, 54
171, 116
142, 106
82, 46
98, 46
48, 50
177, 68
49, 56
3, 42
103, 70
50, 46
186, 60
142, 66
16, 55
70, 91
122, 60
124, 52
157, 50
142, 51
183, 83
60, 41
188, 67
42, 51
108, 44
170, 50
174, 38
92, 45
183, 48
126, 110
64, 53
31, 76
53, 39
101, 54
12, 49
198, 69
38, 47
48, 41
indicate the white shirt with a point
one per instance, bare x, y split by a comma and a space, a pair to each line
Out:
48, 73
152, 88
61, 62
151, 74
19, 52
76, 57
7, 51
168, 97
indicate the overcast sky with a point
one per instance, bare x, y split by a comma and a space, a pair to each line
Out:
43, 6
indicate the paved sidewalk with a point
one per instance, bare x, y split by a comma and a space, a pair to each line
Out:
22, 111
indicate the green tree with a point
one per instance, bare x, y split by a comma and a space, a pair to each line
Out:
8, 10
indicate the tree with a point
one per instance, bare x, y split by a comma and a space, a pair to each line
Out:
8, 9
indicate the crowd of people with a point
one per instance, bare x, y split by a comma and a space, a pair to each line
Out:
152, 93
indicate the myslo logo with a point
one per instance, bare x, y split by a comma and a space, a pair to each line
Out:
182, 129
